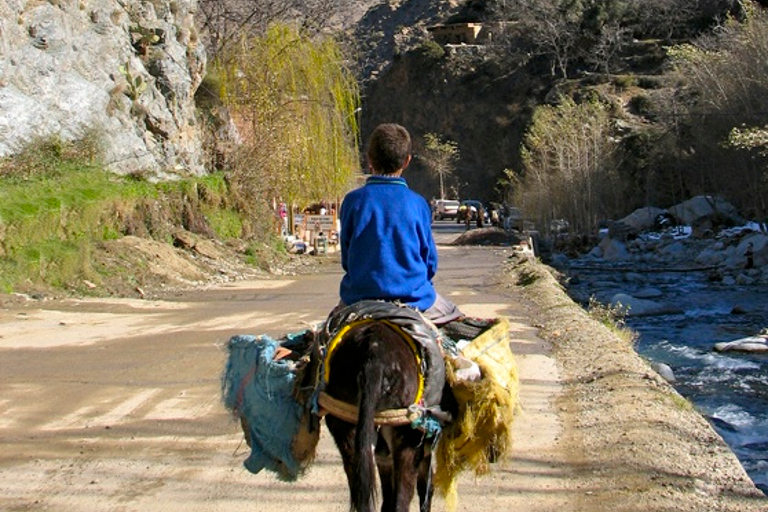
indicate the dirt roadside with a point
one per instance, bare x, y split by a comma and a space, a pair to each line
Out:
112, 404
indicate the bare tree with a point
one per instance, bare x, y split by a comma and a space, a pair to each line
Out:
670, 19
552, 26
223, 22
569, 156
727, 76
610, 41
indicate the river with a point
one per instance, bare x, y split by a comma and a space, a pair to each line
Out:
730, 389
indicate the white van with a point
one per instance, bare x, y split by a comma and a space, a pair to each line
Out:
446, 209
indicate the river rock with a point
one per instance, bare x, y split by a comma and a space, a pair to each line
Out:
613, 250
642, 307
675, 250
752, 344
643, 219
634, 277
596, 252
705, 211
648, 293
710, 257
664, 371
759, 243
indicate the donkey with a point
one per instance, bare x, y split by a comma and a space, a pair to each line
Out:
374, 369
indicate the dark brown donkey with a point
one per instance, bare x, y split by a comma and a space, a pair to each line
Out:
375, 369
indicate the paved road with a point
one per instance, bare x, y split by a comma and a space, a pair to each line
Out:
114, 404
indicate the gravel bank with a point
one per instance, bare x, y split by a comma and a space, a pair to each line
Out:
638, 443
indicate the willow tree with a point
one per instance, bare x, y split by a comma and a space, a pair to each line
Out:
294, 102
569, 160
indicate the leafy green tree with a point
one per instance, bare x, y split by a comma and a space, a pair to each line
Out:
440, 158
750, 138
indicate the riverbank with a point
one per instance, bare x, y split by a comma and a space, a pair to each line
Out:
639, 445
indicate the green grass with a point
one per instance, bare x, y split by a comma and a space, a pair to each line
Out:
227, 224
57, 207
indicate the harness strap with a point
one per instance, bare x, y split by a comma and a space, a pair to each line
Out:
348, 412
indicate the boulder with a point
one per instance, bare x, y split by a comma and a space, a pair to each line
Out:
751, 344
759, 243
676, 250
664, 371
621, 231
642, 307
613, 250
643, 219
710, 257
596, 252
635, 277
706, 212
648, 293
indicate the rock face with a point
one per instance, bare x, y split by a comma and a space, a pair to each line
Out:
124, 70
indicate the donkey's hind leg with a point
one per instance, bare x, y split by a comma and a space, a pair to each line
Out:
343, 434
386, 469
424, 483
407, 456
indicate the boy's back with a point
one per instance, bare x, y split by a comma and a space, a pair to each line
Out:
387, 247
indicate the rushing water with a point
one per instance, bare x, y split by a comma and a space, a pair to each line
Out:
730, 389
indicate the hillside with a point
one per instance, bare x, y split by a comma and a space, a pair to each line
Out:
484, 99
670, 126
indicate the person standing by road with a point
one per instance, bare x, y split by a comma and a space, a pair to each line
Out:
750, 255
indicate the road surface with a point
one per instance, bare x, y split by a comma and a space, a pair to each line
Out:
115, 404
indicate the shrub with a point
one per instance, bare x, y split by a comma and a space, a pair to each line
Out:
430, 50
623, 82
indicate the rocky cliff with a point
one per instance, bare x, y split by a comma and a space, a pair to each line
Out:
124, 70
463, 99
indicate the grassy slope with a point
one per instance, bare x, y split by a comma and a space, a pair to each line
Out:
60, 217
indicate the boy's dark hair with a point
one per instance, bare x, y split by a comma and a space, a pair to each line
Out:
389, 148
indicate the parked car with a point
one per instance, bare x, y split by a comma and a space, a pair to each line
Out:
446, 209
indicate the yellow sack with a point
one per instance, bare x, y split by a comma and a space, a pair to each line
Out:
482, 432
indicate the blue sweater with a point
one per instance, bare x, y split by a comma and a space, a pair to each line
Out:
387, 249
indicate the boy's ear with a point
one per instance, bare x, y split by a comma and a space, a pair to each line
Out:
407, 162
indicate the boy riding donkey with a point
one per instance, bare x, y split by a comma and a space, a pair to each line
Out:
384, 373
377, 369
387, 249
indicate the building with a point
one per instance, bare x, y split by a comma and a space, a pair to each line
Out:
465, 33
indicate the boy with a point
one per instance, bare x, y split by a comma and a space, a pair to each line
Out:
387, 249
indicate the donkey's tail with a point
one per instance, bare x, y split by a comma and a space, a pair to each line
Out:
370, 384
